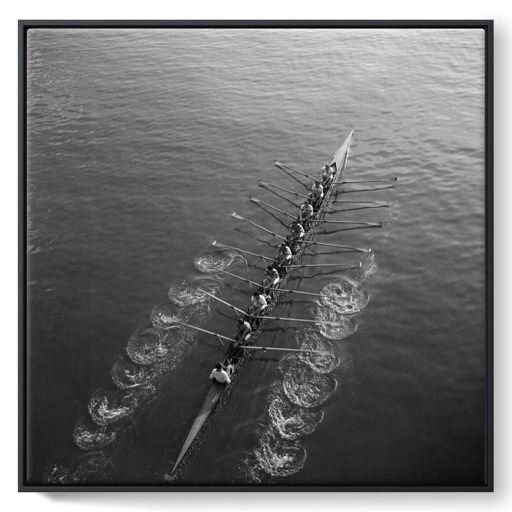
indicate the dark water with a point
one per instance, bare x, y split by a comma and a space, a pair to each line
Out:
140, 145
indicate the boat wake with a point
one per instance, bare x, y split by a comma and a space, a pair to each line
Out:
186, 295
295, 401
309, 339
293, 421
89, 436
344, 297
334, 325
278, 457
125, 374
210, 264
304, 387
92, 468
109, 405
150, 353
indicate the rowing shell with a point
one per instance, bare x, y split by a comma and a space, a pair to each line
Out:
339, 162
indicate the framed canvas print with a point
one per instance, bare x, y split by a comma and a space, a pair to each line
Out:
255, 255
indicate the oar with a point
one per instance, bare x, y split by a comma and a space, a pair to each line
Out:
279, 195
222, 246
348, 182
325, 265
264, 184
321, 352
258, 201
284, 289
251, 347
374, 224
222, 301
205, 331
283, 166
292, 176
269, 317
356, 249
368, 189
359, 208
363, 202
239, 217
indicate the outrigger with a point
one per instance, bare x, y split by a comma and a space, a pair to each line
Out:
235, 352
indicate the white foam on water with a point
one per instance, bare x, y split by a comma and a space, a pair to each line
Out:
292, 421
278, 457
127, 375
107, 406
211, 263
344, 297
92, 438
305, 387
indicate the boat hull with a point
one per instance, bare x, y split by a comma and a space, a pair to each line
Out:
236, 356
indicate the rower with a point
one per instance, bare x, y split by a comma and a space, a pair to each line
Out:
271, 281
257, 307
305, 213
318, 193
327, 177
284, 258
219, 374
258, 304
296, 232
244, 332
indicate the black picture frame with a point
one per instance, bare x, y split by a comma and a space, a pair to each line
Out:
25, 25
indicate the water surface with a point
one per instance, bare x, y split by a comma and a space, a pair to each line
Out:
140, 145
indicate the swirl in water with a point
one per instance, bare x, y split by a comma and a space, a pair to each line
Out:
278, 457
210, 264
305, 387
309, 339
168, 316
110, 405
87, 438
186, 295
342, 329
126, 375
56, 472
343, 297
94, 467
145, 346
369, 266
292, 421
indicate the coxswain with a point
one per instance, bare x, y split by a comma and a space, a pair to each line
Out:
219, 374
305, 213
284, 258
318, 193
244, 332
271, 281
258, 304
